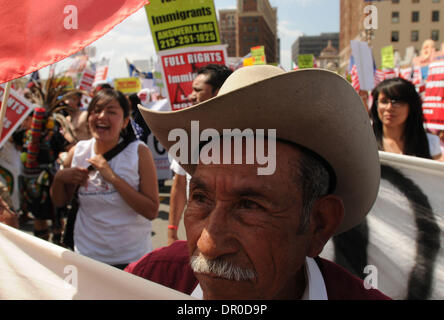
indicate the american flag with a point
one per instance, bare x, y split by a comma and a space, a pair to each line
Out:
418, 81
353, 71
406, 73
417, 75
379, 76
355, 78
390, 73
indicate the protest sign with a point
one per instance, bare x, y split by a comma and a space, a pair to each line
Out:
399, 245
433, 106
160, 155
128, 85
388, 57
10, 170
363, 58
18, 108
102, 68
180, 23
258, 55
249, 61
87, 80
179, 68
305, 61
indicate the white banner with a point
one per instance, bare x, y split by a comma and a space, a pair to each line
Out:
399, 246
31, 268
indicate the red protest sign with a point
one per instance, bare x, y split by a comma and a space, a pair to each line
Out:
18, 109
179, 68
433, 106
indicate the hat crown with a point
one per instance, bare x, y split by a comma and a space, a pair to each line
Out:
248, 75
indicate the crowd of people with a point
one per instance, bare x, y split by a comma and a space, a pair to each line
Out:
93, 166
93, 185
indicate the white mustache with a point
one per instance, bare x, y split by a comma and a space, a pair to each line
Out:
221, 268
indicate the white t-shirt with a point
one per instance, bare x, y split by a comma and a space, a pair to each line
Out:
107, 229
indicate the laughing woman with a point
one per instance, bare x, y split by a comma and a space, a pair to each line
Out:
118, 198
398, 121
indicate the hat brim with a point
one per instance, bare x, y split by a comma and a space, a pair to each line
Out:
315, 108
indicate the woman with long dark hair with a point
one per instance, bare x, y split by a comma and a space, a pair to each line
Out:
398, 121
119, 197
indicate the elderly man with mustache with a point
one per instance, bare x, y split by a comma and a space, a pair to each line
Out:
259, 236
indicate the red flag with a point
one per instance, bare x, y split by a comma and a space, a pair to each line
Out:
37, 34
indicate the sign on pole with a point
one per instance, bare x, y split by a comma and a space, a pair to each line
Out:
180, 23
128, 85
87, 80
18, 108
388, 57
305, 61
258, 55
180, 68
102, 68
433, 106
363, 57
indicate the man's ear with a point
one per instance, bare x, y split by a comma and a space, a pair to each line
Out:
325, 217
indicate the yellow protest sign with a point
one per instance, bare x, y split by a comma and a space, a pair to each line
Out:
305, 61
128, 85
248, 61
182, 23
388, 58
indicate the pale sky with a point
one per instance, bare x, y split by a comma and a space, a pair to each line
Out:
132, 38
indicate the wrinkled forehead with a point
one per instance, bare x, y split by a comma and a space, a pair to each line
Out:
244, 178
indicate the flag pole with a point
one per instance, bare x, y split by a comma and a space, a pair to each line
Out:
4, 105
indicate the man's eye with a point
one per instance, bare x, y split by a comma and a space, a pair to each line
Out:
249, 204
199, 197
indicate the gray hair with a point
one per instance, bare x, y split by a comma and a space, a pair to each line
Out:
313, 179
221, 268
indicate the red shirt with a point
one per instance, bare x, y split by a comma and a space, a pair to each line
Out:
170, 266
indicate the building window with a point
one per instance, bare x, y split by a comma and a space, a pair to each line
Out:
435, 1
435, 35
415, 1
435, 15
395, 17
415, 36
415, 16
395, 36
395, 1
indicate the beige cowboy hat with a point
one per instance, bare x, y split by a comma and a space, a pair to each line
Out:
315, 108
